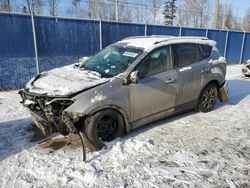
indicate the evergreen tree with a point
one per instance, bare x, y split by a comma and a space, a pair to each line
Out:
169, 12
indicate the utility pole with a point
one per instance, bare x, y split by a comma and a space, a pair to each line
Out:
8, 5
216, 13
116, 11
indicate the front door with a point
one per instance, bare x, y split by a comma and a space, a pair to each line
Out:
157, 87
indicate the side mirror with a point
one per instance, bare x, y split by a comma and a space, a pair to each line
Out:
83, 60
134, 77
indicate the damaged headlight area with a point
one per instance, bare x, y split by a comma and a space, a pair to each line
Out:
46, 112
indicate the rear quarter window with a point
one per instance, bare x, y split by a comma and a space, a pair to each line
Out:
205, 51
186, 53
215, 54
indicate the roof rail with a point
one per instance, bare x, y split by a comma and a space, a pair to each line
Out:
149, 36
179, 38
136, 37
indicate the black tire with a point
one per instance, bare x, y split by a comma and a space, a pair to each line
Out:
103, 126
208, 98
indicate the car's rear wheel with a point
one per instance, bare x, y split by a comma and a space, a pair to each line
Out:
103, 126
208, 98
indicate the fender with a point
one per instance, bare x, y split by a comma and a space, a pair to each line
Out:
124, 114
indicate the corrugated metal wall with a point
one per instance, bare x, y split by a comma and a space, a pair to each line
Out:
62, 41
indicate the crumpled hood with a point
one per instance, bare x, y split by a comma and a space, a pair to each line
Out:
64, 81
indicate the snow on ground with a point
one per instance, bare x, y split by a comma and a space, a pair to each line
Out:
190, 150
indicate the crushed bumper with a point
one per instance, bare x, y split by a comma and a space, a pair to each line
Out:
46, 112
46, 127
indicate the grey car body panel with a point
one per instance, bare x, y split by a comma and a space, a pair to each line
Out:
153, 94
153, 97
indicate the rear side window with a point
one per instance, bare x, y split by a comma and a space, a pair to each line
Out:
186, 53
205, 51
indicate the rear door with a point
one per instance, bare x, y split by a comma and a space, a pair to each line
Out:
191, 65
157, 87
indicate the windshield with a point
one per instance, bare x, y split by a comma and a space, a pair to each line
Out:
112, 60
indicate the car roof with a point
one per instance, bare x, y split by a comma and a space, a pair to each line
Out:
150, 42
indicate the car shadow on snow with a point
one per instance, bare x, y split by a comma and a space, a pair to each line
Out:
21, 134
238, 90
15, 136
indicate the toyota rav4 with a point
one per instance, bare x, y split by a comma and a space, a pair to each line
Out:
126, 85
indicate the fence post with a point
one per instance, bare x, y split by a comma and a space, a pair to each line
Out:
100, 30
146, 29
206, 30
225, 47
35, 44
180, 31
100, 36
242, 46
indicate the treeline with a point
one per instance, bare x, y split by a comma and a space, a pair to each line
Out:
216, 14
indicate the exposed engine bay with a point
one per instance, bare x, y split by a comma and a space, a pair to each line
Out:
46, 112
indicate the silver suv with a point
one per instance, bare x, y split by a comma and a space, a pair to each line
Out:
126, 85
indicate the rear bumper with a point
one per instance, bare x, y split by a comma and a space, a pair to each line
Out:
223, 93
245, 71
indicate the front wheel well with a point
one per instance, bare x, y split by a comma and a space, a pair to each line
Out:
103, 125
81, 121
114, 109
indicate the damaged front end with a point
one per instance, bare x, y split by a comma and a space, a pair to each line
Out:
47, 112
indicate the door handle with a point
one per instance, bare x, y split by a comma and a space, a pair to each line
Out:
169, 80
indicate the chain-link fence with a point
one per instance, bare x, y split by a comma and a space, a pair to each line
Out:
17, 57
62, 41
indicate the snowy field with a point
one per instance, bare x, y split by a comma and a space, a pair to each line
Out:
190, 150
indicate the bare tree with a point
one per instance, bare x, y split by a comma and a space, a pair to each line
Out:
200, 12
155, 8
124, 12
5, 5
230, 20
96, 9
194, 13
246, 20
183, 14
34, 6
227, 18
76, 5
52, 7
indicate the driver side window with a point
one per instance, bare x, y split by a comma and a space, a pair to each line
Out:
157, 61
